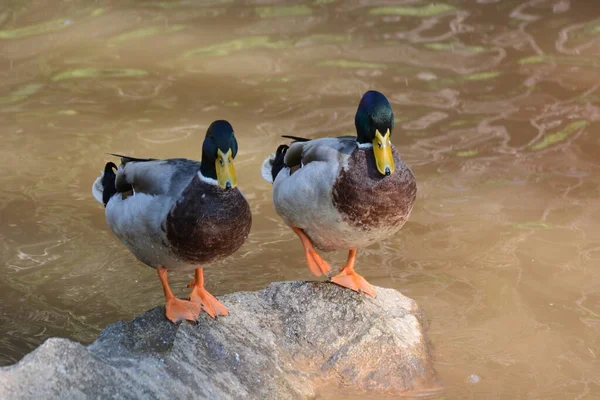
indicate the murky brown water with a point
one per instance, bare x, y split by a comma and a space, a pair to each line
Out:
497, 105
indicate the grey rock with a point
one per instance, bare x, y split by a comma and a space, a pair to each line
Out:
292, 340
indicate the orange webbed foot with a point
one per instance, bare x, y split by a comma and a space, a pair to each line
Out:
207, 301
350, 279
176, 309
354, 281
316, 264
180, 310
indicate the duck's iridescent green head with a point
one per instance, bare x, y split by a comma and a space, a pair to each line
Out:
218, 151
374, 122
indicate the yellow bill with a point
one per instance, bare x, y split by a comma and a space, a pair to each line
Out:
382, 148
225, 170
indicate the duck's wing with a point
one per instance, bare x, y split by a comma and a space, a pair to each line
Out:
302, 153
302, 191
154, 176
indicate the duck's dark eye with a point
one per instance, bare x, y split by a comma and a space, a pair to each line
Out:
380, 145
221, 161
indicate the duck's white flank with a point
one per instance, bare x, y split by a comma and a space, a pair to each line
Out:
98, 189
267, 167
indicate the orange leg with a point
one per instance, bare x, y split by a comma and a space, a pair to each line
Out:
176, 309
350, 279
316, 264
200, 296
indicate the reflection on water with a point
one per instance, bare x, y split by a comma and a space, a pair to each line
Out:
496, 105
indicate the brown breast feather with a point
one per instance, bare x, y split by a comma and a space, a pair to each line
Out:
207, 223
368, 200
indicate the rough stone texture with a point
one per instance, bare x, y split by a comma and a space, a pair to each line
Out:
288, 341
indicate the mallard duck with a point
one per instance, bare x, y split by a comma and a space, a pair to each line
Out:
178, 214
344, 193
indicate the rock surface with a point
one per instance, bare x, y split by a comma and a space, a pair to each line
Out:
287, 341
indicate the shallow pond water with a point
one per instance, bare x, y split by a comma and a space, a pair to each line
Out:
496, 106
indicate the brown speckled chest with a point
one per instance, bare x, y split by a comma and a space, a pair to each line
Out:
368, 200
208, 223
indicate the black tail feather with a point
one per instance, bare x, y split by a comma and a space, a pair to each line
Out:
126, 159
108, 182
296, 138
278, 162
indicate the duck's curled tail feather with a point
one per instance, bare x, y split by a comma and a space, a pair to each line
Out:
104, 186
274, 163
